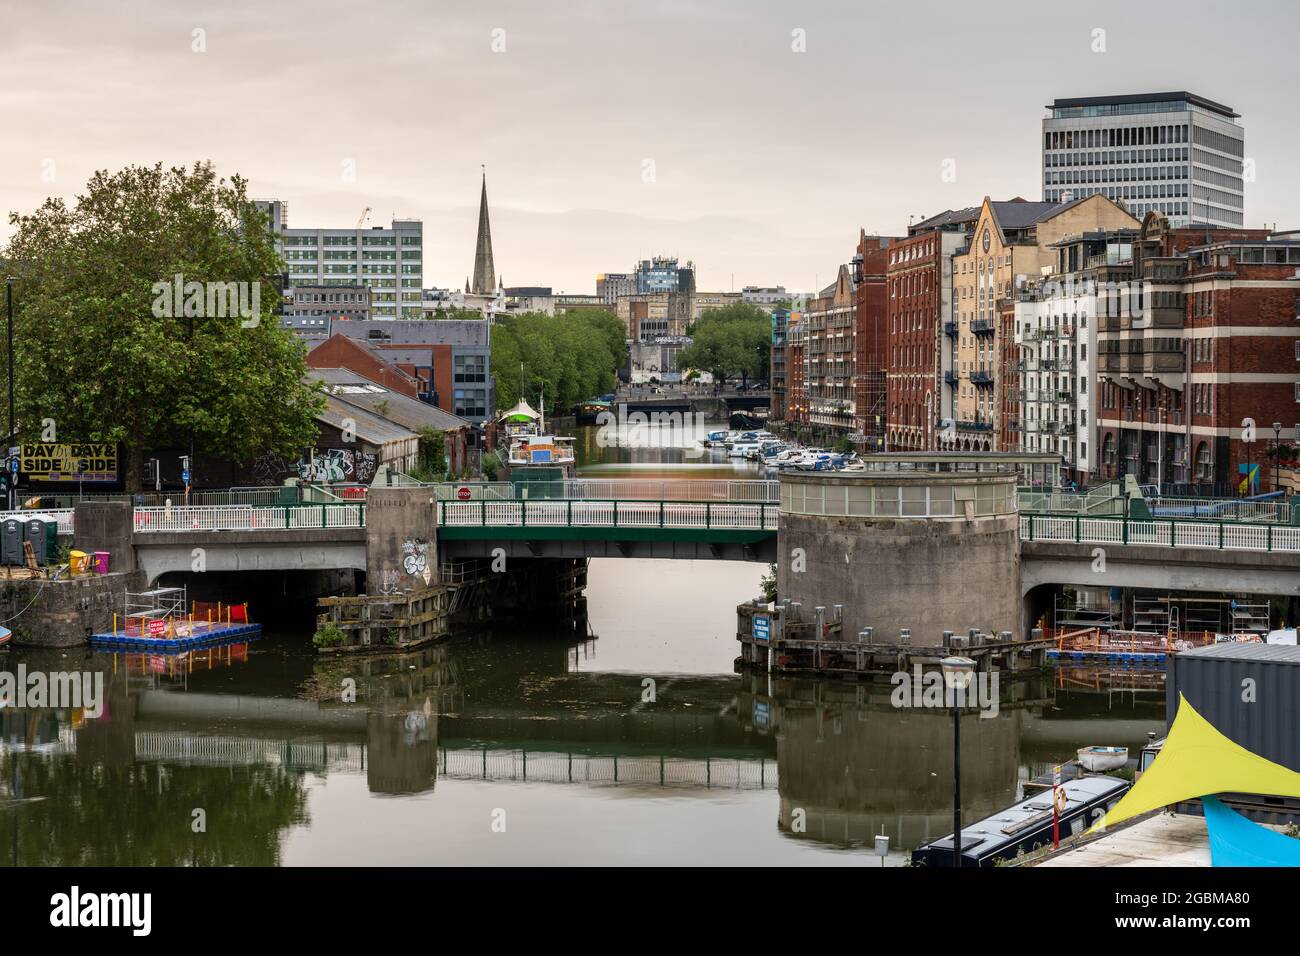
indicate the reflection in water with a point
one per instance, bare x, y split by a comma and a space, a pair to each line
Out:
752, 769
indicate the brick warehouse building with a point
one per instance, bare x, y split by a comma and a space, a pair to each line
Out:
919, 280
871, 338
1210, 344
828, 326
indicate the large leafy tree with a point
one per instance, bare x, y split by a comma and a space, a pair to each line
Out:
733, 340
97, 355
574, 355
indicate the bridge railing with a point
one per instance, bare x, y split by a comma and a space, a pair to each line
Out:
62, 515
250, 517
1217, 535
613, 513
748, 491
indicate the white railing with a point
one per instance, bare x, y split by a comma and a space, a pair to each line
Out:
249, 517
1212, 535
62, 515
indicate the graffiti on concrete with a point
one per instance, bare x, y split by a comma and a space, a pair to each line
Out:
339, 464
415, 556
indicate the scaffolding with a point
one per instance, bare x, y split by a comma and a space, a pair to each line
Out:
872, 399
1249, 618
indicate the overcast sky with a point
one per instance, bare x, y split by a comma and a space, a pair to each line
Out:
617, 130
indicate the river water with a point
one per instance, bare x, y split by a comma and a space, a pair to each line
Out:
631, 740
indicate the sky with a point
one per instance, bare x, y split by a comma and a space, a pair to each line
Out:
753, 137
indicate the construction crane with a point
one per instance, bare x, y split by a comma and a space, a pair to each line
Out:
365, 214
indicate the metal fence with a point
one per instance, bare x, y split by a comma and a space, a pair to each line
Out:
250, 518
1219, 535
1219, 509
62, 515
553, 513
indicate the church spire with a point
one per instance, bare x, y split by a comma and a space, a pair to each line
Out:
484, 272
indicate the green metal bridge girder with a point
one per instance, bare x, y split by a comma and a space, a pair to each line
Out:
598, 533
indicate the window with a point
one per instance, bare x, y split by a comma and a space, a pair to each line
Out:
1204, 467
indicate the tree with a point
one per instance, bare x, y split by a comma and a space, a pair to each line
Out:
733, 340
108, 352
571, 356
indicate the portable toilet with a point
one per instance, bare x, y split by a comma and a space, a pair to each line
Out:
43, 533
11, 541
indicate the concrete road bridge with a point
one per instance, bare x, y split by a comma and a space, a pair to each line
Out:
729, 520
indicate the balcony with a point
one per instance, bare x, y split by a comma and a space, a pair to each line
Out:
981, 327
1167, 318
950, 329
950, 378
1158, 362
1067, 428
1065, 394
974, 426
981, 379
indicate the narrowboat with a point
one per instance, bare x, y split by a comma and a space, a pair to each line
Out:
1026, 826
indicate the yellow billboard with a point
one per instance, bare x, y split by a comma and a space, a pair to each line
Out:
46, 461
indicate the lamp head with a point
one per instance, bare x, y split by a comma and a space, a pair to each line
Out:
957, 672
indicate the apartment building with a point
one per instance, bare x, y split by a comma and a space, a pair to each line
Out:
1199, 364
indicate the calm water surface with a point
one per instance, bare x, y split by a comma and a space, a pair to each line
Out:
629, 741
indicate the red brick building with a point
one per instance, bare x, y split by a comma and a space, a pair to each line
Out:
918, 328
1214, 350
913, 325
339, 351
796, 398
871, 338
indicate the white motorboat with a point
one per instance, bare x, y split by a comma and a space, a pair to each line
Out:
1101, 759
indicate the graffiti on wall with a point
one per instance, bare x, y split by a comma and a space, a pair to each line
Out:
339, 464
415, 559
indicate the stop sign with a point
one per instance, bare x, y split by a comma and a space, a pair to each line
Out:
462, 493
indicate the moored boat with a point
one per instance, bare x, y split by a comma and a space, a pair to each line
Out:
1101, 759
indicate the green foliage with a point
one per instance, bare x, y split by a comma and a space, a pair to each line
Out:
575, 355
105, 812
491, 465
843, 446
453, 313
93, 356
328, 636
768, 582
733, 340
432, 464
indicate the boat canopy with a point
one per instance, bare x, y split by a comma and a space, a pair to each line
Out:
523, 412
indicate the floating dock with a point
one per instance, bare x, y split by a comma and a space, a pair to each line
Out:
182, 640
162, 620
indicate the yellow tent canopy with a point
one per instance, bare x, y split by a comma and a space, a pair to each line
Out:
1198, 761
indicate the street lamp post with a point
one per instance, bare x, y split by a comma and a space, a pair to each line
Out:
957, 674
1277, 446
9, 309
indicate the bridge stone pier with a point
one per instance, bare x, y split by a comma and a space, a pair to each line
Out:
927, 550
401, 538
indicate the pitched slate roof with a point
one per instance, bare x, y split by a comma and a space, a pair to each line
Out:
358, 391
